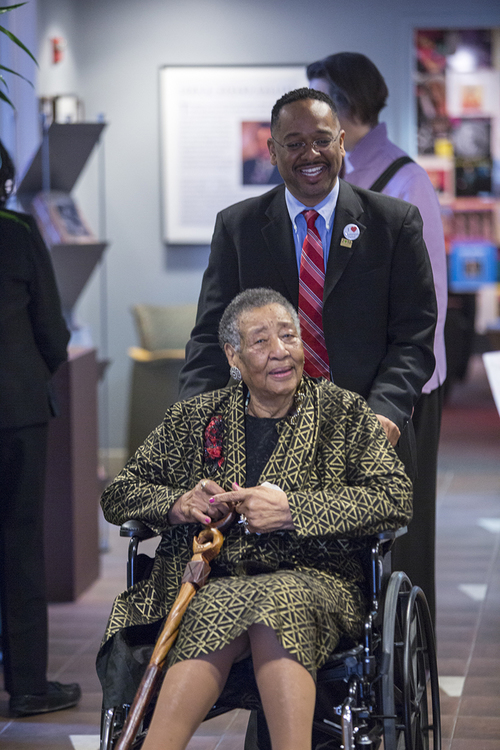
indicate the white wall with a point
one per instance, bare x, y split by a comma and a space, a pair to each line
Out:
115, 48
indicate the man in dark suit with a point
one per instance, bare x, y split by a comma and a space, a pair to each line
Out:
379, 306
33, 339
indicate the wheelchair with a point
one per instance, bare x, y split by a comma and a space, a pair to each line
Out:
381, 692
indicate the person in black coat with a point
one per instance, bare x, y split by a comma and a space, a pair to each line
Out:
33, 340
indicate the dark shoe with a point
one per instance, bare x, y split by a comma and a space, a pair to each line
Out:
56, 698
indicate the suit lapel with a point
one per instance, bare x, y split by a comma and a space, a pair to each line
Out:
347, 211
278, 236
235, 468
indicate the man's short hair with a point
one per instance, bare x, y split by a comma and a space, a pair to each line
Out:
356, 85
298, 95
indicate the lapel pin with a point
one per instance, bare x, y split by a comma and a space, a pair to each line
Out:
345, 243
351, 232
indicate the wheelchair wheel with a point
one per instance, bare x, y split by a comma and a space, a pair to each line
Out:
392, 682
112, 722
421, 687
409, 690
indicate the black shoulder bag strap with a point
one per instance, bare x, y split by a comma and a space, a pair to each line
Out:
389, 173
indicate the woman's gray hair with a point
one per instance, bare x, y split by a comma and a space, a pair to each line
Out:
229, 332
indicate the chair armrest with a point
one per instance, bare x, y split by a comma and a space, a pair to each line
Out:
135, 528
144, 355
384, 536
380, 563
137, 531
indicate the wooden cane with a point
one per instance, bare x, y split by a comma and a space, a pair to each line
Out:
206, 547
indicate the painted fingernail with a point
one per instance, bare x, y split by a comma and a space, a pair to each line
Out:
212, 500
238, 486
208, 520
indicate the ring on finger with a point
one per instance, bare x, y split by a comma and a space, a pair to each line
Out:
244, 521
203, 483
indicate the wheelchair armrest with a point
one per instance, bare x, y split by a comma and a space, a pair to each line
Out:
389, 534
138, 529
380, 565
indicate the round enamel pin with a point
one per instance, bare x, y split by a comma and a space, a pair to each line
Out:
351, 232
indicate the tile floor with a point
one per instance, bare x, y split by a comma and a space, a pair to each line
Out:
468, 617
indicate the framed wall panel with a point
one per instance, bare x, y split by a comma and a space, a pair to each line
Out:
214, 129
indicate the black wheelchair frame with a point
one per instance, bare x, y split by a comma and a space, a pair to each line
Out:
383, 692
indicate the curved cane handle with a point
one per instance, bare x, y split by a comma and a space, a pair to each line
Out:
208, 543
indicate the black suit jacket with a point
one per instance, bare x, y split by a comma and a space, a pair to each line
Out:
33, 334
379, 306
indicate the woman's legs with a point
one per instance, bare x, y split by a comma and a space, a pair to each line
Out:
287, 691
189, 691
191, 688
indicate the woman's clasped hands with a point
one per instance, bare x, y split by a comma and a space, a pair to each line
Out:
263, 509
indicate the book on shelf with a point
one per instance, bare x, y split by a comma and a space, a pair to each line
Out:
60, 220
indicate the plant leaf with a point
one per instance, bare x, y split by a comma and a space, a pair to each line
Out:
6, 8
17, 41
9, 70
13, 217
5, 98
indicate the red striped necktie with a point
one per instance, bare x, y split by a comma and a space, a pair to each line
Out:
311, 284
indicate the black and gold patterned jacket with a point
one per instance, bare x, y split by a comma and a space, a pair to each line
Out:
343, 482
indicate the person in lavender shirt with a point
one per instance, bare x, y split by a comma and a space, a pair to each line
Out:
360, 92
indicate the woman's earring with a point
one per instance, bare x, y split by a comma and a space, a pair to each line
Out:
235, 372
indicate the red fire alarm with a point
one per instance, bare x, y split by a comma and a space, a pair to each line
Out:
58, 47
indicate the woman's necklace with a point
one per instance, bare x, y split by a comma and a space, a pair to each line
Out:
298, 402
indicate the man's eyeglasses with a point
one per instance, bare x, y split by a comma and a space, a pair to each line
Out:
320, 144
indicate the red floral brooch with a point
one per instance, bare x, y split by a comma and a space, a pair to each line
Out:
214, 435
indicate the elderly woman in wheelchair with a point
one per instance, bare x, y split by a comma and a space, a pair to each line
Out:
311, 475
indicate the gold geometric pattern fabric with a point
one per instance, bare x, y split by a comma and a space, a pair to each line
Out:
343, 482
307, 613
